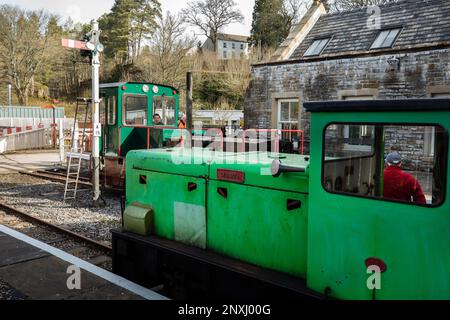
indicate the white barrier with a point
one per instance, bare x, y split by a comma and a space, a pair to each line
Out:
26, 140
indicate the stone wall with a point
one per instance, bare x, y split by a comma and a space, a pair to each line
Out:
328, 79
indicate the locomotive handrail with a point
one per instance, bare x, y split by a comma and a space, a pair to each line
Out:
276, 131
148, 128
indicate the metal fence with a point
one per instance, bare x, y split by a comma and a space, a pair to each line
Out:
27, 140
31, 112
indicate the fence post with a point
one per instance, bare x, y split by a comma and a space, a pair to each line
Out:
9, 95
61, 141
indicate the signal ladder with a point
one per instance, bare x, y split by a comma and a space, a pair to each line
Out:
76, 153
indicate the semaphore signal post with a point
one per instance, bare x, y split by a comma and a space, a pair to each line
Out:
96, 48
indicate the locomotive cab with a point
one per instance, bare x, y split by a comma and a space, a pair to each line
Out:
356, 224
127, 116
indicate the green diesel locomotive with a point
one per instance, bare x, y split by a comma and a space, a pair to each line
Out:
127, 110
257, 225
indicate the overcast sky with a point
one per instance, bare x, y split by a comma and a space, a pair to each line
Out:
86, 10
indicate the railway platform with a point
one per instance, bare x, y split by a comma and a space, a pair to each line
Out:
32, 270
28, 161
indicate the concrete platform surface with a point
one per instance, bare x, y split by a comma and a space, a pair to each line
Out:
28, 161
28, 272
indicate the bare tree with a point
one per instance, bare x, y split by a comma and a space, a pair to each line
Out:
22, 47
291, 13
169, 49
293, 10
212, 15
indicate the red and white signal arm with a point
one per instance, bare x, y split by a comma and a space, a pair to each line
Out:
75, 44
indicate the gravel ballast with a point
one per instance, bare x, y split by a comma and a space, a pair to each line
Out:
44, 199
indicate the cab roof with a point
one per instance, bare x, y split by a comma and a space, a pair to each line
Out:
119, 84
379, 105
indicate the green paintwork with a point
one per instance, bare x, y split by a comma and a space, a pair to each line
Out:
343, 231
327, 240
138, 219
173, 169
261, 231
123, 137
256, 166
164, 186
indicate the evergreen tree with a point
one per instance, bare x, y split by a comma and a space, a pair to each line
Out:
272, 21
126, 26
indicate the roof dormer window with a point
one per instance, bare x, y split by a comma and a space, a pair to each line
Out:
386, 38
317, 47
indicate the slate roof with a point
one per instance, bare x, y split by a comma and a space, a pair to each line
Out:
423, 21
231, 37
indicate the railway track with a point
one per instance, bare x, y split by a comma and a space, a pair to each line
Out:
58, 229
56, 177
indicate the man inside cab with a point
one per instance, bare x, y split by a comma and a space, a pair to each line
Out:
156, 135
399, 185
157, 120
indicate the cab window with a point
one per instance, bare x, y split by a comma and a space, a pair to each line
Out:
103, 103
169, 112
165, 107
136, 110
387, 162
111, 108
158, 106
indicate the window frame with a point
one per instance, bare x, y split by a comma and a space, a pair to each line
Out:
390, 29
164, 110
352, 96
124, 109
112, 98
329, 38
279, 121
384, 124
291, 123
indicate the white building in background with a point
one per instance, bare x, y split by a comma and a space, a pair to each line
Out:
230, 118
229, 46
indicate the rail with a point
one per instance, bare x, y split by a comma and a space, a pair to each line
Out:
72, 234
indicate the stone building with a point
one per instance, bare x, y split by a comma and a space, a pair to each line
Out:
400, 50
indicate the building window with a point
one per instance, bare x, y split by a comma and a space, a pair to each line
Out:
386, 38
288, 116
362, 173
233, 46
350, 132
429, 134
242, 46
317, 47
224, 45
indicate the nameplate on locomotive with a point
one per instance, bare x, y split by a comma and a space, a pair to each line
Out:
230, 175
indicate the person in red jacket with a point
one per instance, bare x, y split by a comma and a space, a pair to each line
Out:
399, 185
